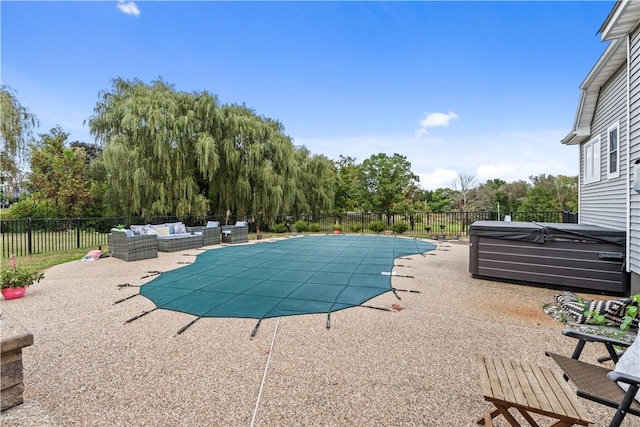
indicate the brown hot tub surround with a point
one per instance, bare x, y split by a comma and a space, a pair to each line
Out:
569, 256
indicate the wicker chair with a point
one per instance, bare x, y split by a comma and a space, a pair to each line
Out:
210, 235
235, 233
598, 383
132, 248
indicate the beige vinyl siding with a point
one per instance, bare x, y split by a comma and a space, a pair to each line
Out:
604, 202
634, 149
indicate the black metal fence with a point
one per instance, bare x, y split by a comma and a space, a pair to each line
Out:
35, 236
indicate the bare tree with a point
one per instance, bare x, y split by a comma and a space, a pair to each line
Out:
463, 187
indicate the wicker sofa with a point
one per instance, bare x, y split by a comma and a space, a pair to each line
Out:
132, 248
237, 233
172, 237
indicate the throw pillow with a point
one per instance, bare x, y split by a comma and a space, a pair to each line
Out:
213, 224
151, 232
629, 364
179, 228
162, 231
241, 223
129, 233
612, 310
172, 227
138, 230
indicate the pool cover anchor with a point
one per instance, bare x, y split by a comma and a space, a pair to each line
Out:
144, 313
377, 307
184, 328
393, 273
329, 320
413, 291
125, 298
255, 329
151, 273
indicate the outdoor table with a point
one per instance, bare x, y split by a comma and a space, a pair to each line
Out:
531, 390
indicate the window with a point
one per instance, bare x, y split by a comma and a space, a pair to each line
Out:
613, 150
591, 159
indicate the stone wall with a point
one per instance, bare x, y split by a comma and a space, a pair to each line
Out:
14, 338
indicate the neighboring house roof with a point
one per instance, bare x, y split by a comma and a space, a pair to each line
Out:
622, 19
613, 57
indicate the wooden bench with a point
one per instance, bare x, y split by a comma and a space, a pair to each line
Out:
530, 390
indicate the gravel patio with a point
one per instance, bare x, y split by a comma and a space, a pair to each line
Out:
414, 366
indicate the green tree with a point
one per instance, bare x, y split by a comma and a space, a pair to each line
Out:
387, 181
16, 123
515, 193
539, 199
60, 175
169, 152
315, 183
564, 189
441, 200
348, 185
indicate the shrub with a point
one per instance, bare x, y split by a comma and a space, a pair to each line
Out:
355, 227
279, 228
399, 227
301, 226
377, 226
337, 227
315, 227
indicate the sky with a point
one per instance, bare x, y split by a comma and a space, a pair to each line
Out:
478, 88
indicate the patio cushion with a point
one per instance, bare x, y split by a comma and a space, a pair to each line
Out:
629, 363
612, 310
138, 230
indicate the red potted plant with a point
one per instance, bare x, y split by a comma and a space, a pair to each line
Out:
14, 281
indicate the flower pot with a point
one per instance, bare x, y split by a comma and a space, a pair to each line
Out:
336, 231
14, 293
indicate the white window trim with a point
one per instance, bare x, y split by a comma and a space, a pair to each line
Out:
591, 174
615, 174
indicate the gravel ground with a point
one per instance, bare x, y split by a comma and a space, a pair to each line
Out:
413, 366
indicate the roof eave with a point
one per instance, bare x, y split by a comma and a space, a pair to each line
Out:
621, 21
613, 57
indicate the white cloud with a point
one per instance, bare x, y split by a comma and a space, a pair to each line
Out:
439, 178
510, 156
431, 120
130, 8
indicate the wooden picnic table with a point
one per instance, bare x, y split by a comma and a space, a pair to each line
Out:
530, 390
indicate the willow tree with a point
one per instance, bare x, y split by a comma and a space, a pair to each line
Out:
16, 123
316, 183
157, 144
169, 152
257, 173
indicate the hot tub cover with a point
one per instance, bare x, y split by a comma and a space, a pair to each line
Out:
539, 232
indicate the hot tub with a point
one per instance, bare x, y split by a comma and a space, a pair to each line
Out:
571, 256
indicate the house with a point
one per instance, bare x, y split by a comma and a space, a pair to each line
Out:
607, 130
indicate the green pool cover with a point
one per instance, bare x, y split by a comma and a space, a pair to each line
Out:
311, 274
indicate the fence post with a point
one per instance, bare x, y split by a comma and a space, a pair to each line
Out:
77, 232
29, 237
